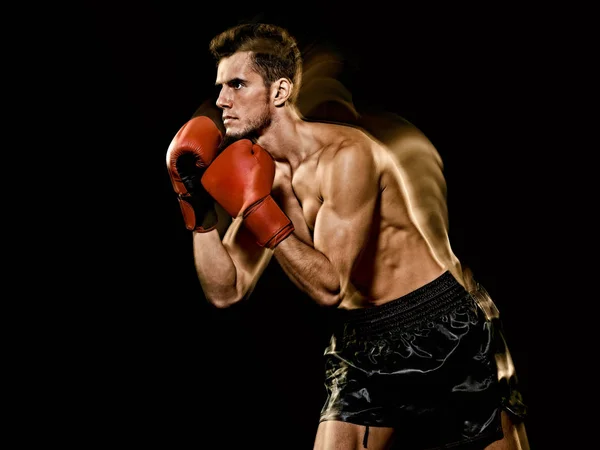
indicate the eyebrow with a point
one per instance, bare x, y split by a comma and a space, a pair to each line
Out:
230, 82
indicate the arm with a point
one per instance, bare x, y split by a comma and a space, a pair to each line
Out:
240, 180
349, 190
228, 269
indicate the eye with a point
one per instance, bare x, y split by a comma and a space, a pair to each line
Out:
236, 84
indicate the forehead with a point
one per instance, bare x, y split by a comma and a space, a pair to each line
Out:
238, 65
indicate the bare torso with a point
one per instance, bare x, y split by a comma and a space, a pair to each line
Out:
397, 258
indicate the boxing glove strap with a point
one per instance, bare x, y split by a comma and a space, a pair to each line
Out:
267, 222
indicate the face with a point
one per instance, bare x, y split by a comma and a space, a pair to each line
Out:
243, 98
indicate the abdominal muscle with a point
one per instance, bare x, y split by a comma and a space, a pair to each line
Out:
396, 260
397, 264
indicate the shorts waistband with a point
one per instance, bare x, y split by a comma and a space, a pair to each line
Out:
423, 304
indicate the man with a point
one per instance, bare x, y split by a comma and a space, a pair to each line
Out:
360, 227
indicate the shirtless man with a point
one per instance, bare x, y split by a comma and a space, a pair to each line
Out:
413, 359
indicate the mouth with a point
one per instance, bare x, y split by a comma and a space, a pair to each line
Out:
227, 119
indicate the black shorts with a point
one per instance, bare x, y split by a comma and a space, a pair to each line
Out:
423, 364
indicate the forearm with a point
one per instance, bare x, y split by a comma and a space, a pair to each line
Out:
228, 269
215, 269
310, 270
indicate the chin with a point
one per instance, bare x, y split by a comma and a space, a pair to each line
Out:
232, 132
237, 134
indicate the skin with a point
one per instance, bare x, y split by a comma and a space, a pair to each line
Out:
356, 242
332, 255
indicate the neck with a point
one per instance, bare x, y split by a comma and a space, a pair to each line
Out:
285, 139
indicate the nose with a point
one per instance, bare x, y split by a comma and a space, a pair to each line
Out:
224, 99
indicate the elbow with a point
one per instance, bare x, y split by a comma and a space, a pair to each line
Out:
329, 298
221, 304
330, 302
222, 300
336, 293
329, 293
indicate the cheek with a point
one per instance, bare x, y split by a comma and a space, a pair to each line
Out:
258, 101
252, 107
261, 108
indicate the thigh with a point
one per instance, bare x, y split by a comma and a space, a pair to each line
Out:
336, 435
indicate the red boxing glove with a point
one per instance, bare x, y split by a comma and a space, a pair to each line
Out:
240, 180
191, 151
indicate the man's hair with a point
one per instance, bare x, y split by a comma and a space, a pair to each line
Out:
275, 52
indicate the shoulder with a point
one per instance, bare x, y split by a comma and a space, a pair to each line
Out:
398, 135
343, 143
350, 158
344, 148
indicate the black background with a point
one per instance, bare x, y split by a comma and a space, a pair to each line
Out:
171, 371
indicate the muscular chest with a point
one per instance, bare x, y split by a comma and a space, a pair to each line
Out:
306, 185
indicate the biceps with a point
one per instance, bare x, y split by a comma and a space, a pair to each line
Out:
341, 239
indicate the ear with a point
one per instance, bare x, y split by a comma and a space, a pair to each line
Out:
281, 91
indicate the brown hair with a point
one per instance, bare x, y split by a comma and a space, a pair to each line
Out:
275, 52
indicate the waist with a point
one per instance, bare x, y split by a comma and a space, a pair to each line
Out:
425, 303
